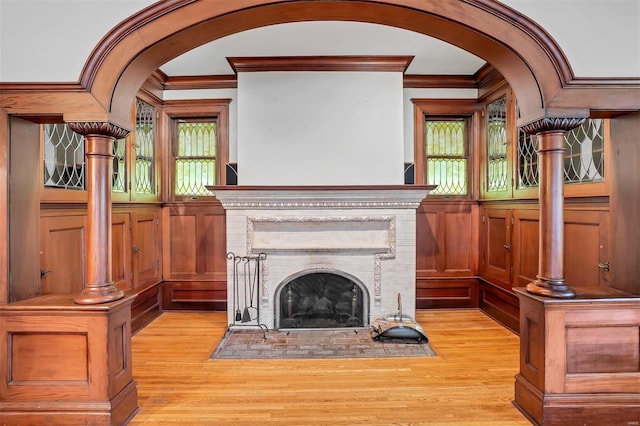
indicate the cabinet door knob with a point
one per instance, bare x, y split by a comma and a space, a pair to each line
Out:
507, 247
604, 266
135, 249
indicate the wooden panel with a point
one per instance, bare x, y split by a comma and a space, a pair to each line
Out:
145, 307
182, 245
625, 203
458, 250
47, 357
525, 246
146, 249
500, 304
496, 247
69, 364
427, 250
452, 293
215, 244
24, 210
62, 242
586, 234
446, 239
121, 249
603, 349
196, 242
194, 295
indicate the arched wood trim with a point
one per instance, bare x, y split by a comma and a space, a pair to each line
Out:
525, 54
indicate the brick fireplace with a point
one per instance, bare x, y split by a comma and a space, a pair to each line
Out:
364, 234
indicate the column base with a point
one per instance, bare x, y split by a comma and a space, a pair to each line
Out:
558, 289
97, 295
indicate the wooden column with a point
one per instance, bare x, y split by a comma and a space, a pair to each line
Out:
99, 137
550, 279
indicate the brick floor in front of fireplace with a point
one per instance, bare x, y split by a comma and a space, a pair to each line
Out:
337, 343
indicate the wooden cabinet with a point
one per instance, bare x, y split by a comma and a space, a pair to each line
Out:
62, 260
146, 248
509, 256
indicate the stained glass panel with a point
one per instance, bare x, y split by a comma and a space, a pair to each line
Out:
195, 152
144, 147
446, 152
64, 165
497, 145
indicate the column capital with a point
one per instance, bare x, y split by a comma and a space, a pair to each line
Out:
552, 125
103, 128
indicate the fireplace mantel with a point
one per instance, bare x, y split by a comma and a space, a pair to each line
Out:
320, 197
366, 233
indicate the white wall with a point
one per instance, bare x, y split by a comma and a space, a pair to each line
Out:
601, 38
320, 128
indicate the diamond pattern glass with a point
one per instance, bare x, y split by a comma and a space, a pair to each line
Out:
64, 165
144, 147
118, 179
446, 151
497, 145
195, 152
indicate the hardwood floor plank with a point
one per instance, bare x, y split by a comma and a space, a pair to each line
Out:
470, 382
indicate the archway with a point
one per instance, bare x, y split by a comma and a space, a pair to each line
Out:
525, 55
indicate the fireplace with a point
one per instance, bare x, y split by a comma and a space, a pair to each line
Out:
333, 256
321, 299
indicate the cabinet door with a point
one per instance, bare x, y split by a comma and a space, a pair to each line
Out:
146, 249
496, 246
526, 237
62, 261
585, 242
120, 250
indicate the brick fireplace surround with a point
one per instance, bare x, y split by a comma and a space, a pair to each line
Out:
367, 234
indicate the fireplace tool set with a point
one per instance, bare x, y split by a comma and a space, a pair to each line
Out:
246, 288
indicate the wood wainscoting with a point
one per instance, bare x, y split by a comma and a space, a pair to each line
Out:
580, 358
66, 364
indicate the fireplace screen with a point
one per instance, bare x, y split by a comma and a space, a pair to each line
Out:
321, 300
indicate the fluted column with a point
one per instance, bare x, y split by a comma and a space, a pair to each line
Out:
550, 132
99, 137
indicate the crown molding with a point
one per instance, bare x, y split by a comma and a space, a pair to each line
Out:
320, 63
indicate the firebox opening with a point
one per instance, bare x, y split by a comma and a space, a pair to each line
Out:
321, 300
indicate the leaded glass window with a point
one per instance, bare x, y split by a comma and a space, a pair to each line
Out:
446, 152
144, 147
119, 176
195, 157
583, 158
497, 145
64, 165
584, 153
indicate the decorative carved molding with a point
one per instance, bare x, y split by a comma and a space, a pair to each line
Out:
378, 257
552, 124
320, 63
98, 128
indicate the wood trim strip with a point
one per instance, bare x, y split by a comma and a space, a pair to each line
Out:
200, 82
436, 81
320, 63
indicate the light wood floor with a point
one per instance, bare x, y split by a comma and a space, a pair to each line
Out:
469, 383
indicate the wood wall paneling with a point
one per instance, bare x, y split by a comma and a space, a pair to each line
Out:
525, 246
500, 304
24, 210
446, 255
580, 358
195, 262
496, 246
146, 251
121, 248
625, 203
62, 245
586, 246
66, 363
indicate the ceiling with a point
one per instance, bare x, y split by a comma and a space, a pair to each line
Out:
326, 38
